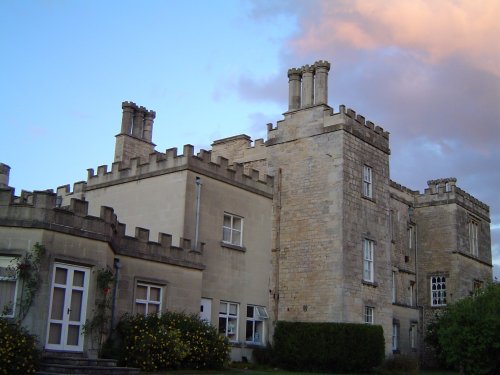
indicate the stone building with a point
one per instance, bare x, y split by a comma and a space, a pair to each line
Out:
303, 226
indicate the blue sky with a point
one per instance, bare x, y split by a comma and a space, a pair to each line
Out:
212, 69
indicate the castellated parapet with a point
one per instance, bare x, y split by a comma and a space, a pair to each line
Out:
445, 191
318, 120
170, 162
43, 213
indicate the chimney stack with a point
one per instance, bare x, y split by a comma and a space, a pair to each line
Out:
4, 175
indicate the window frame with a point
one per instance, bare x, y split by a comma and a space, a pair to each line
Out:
473, 237
231, 229
148, 301
368, 262
395, 336
413, 335
367, 181
259, 315
227, 316
369, 315
393, 285
440, 292
7, 261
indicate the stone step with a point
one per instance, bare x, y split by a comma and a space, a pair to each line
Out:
47, 368
77, 361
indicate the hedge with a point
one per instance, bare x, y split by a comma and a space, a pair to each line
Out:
328, 347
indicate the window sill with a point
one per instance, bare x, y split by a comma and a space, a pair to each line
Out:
371, 199
233, 247
373, 284
251, 344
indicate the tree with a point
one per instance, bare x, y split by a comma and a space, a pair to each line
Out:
466, 334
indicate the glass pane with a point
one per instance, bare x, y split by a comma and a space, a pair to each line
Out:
236, 238
57, 303
233, 309
231, 327
223, 308
227, 221
140, 308
226, 235
55, 333
153, 309
7, 293
154, 294
257, 336
250, 311
141, 292
78, 278
76, 305
73, 335
249, 331
61, 275
237, 223
222, 326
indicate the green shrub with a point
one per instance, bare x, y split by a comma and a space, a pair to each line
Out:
18, 350
466, 333
328, 347
399, 364
172, 340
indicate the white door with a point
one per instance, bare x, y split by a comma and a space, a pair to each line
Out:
206, 309
68, 305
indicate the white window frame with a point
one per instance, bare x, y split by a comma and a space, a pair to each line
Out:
368, 254
438, 291
473, 237
231, 230
367, 181
369, 315
393, 286
147, 302
411, 236
412, 293
231, 330
5, 263
413, 335
259, 316
395, 336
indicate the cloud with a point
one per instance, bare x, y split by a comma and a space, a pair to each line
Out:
432, 30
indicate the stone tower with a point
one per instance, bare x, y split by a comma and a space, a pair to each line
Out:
331, 246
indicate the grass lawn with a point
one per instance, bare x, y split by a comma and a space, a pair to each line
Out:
268, 372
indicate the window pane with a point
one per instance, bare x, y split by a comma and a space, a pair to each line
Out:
57, 303
142, 292
226, 234
140, 308
7, 294
76, 305
223, 307
73, 334
233, 309
236, 238
227, 221
250, 311
55, 330
153, 308
237, 223
78, 278
222, 326
61, 274
154, 294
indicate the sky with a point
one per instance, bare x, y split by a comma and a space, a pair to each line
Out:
427, 71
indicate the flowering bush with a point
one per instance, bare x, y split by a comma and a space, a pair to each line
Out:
18, 351
172, 340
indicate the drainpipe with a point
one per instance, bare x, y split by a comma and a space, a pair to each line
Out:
116, 265
197, 214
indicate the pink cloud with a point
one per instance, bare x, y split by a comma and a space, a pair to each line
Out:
433, 30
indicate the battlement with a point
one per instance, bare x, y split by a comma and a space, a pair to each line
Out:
402, 188
169, 162
445, 190
41, 211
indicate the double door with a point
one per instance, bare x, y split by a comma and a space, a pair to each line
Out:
68, 305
